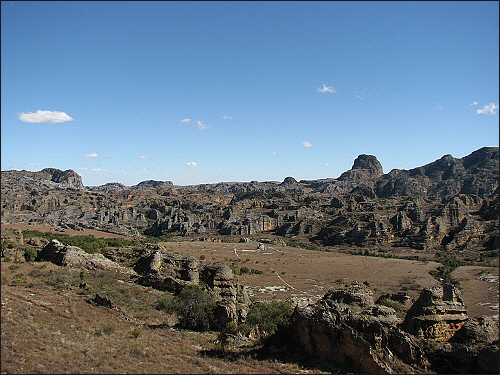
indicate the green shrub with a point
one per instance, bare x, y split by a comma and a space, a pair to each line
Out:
9, 244
269, 315
30, 254
136, 332
87, 243
398, 306
193, 306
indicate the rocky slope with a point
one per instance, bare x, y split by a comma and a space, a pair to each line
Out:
450, 204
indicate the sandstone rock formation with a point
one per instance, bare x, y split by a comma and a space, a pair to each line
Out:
437, 314
65, 255
164, 270
347, 328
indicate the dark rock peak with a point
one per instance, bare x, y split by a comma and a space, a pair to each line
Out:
289, 181
369, 162
151, 184
364, 167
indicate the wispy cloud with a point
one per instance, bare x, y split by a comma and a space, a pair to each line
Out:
200, 124
144, 157
44, 116
307, 144
142, 169
474, 104
191, 164
488, 109
227, 117
83, 169
439, 107
95, 156
99, 170
326, 88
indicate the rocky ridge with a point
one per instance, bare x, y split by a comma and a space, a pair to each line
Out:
449, 205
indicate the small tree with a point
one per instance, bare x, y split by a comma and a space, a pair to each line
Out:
194, 308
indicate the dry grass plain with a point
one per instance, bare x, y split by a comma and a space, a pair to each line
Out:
297, 272
50, 328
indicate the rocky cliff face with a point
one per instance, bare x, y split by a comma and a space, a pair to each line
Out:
447, 205
347, 328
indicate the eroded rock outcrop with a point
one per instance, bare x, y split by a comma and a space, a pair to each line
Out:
347, 328
72, 256
437, 314
171, 272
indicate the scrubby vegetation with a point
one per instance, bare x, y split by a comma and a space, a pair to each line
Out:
443, 273
88, 243
193, 306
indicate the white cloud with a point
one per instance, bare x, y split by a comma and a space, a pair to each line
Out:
99, 170
439, 107
227, 117
307, 144
274, 153
44, 116
82, 169
191, 164
95, 156
488, 109
142, 169
144, 157
202, 126
327, 89
475, 104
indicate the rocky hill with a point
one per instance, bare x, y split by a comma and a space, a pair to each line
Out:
450, 204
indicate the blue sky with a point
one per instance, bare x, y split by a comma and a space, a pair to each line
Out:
204, 92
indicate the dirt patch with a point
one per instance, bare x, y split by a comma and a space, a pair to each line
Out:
479, 289
293, 271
